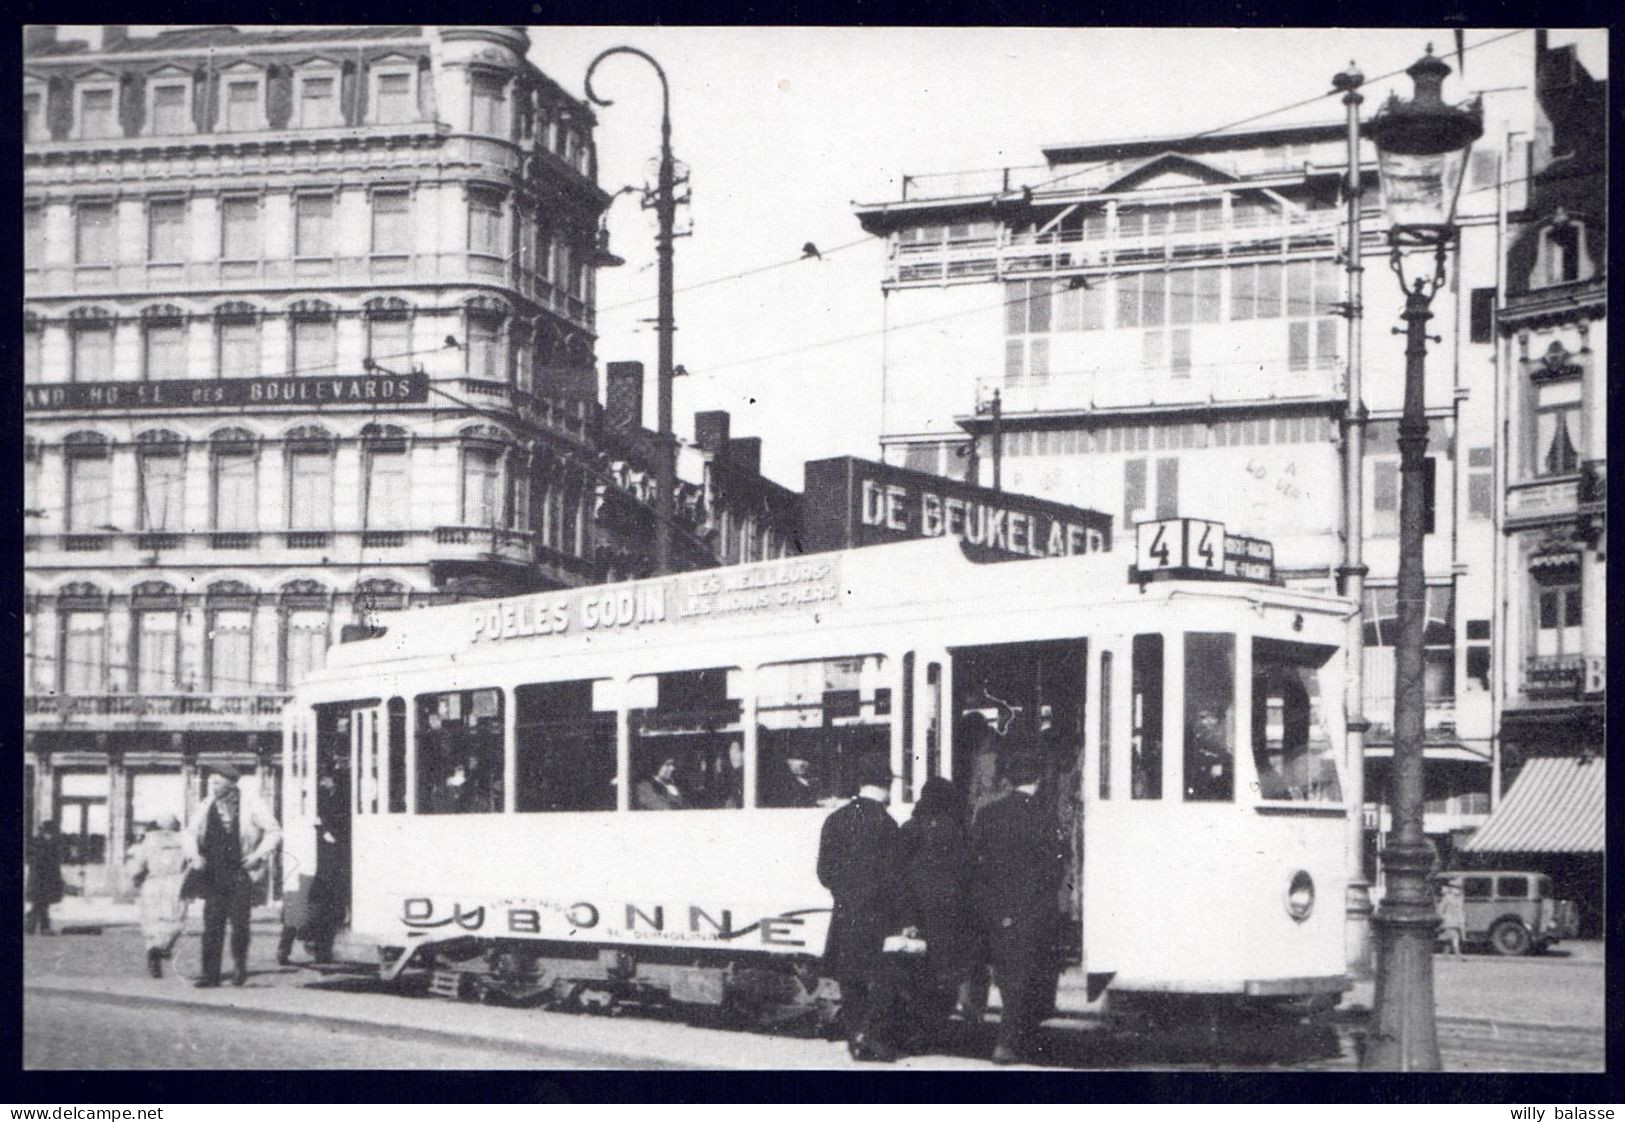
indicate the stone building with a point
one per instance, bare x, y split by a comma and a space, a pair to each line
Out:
308, 336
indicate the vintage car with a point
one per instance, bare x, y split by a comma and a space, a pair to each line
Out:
1513, 911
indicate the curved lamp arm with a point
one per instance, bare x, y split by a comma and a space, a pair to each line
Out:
665, 89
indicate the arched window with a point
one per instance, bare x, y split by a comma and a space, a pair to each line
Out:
229, 666
237, 340
1563, 257
156, 608
307, 615
488, 102
485, 460
234, 471
486, 324
83, 608
161, 470
389, 331
89, 494
386, 481
308, 452
91, 339
314, 336
163, 342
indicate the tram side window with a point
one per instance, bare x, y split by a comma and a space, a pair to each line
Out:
565, 748
687, 737
459, 752
1210, 717
815, 720
1292, 750
397, 756
1145, 709
1106, 724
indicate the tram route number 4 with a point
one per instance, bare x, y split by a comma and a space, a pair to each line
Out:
1195, 545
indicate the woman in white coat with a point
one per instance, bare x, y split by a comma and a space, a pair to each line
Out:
158, 867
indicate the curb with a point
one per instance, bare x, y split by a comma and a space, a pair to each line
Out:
1359, 1016
371, 1028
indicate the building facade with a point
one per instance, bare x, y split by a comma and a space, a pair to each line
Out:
308, 337
1158, 327
1553, 328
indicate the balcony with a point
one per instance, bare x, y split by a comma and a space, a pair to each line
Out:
409, 546
1008, 255
103, 712
1206, 385
1542, 501
1554, 677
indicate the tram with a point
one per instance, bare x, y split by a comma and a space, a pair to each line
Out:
614, 794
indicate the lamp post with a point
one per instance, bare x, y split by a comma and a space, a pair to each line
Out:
665, 207
1421, 152
1357, 898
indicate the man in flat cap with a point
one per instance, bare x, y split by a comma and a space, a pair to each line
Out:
230, 843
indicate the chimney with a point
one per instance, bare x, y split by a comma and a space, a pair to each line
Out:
114, 35
711, 432
623, 395
745, 454
38, 36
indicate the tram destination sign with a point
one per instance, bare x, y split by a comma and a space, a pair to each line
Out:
848, 502
1195, 547
366, 389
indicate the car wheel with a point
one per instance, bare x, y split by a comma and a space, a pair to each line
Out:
1510, 938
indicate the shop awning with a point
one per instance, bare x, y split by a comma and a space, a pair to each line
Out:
1555, 806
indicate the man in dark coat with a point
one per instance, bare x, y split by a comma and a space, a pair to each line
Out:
857, 859
44, 878
1018, 863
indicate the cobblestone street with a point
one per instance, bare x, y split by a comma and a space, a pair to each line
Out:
83, 992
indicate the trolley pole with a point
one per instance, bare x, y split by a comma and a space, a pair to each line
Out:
666, 212
1357, 899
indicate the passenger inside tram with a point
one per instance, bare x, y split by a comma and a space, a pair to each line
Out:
659, 791
1210, 661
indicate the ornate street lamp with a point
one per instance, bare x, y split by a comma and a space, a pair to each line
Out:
665, 206
1421, 152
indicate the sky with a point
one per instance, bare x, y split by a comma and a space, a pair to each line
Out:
784, 128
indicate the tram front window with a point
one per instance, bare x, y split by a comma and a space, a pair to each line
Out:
1292, 750
687, 737
459, 752
1145, 732
1210, 717
815, 720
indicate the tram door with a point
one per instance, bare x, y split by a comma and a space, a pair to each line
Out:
337, 727
1011, 697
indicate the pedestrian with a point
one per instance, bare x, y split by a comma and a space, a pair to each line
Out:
326, 899
230, 844
1018, 862
157, 867
857, 862
44, 878
1453, 917
935, 886
979, 739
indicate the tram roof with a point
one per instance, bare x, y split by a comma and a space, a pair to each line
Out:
743, 601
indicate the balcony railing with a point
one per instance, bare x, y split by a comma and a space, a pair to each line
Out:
1069, 251
429, 543
127, 710
1551, 676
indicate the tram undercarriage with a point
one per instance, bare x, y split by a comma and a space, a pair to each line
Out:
769, 992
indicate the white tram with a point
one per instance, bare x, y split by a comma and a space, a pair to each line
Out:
496, 766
